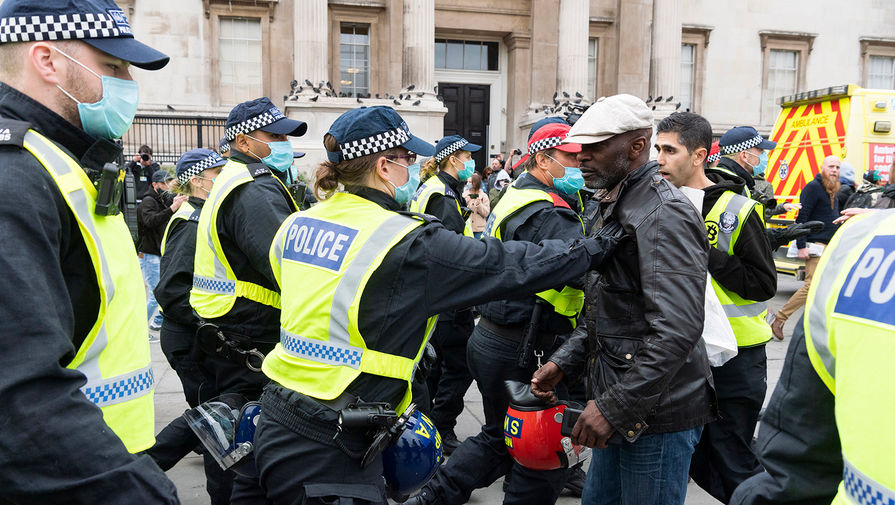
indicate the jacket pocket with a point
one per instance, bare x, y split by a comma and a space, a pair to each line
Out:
615, 358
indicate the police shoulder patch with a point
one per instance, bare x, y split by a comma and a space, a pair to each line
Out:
258, 169
425, 218
12, 132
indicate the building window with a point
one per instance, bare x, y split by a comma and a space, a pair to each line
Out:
784, 59
593, 51
688, 76
240, 61
881, 72
782, 80
465, 55
354, 59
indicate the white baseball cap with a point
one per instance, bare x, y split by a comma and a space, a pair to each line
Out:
608, 117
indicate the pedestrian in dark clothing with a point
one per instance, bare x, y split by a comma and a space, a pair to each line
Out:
847, 178
887, 199
743, 277
76, 383
649, 382
819, 203
142, 167
153, 214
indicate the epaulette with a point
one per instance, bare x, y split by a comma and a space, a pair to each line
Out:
425, 218
258, 169
195, 215
12, 132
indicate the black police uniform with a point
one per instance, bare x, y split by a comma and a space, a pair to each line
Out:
449, 377
723, 458
492, 356
430, 271
177, 337
55, 446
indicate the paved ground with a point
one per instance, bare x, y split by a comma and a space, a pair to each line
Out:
189, 477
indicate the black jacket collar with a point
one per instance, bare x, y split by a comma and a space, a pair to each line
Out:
729, 164
91, 152
453, 184
374, 195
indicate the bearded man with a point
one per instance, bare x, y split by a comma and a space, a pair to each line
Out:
819, 203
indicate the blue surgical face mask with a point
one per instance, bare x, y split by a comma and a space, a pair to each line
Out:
404, 192
111, 117
468, 170
281, 155
762, 163
571, 182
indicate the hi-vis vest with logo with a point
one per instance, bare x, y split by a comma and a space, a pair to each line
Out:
433, 186
323, 258
569, 301
215, 286
183, 213
723, 225
115, 354
850, 335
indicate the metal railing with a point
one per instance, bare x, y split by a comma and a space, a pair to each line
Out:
171, 136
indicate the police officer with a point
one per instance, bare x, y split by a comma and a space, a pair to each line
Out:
827, 432
531, 210
361, 283
440, 196
233, 286
195, 171
744, 278
72, 301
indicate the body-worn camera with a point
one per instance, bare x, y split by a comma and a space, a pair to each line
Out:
109, 190
366, 416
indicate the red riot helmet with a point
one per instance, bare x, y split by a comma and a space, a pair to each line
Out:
532, 432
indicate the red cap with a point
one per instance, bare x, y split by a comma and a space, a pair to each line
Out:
714, 152
549, 136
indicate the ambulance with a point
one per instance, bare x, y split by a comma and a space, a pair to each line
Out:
847, 121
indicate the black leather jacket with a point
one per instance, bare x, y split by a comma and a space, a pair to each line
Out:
647, 369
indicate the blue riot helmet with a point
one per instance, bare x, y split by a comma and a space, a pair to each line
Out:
413, 458
226, 427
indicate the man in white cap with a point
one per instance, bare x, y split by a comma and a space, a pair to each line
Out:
650, 386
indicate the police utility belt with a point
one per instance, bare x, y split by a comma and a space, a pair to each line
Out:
236, 348
362, 431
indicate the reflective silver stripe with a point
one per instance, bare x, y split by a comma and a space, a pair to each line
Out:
863, 490
220, 272
350, 283
210, 285
120, 389
319, 351
753, 309
736, 203
822, 288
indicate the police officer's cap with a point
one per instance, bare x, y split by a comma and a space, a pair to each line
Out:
261, 114
545, 121
161, 176
370, 130
100, 23
194, 162
451, 144
740, 138
224, 146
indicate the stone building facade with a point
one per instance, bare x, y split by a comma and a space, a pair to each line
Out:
488, 68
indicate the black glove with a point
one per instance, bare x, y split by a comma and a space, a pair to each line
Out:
781, 236
425, 365
604, 242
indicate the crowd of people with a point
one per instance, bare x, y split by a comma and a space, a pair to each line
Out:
311, 339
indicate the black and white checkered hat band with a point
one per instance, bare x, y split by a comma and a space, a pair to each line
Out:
375, 144
449, 150
250, 125
742, 146
713, 158
225, 147
203, 164
542, 144
58, 27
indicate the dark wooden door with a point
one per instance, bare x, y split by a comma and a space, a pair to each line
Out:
468, 108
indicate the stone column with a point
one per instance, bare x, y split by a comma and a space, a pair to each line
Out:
634, 43
665, 53
571, 72
311, 43
419, 47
